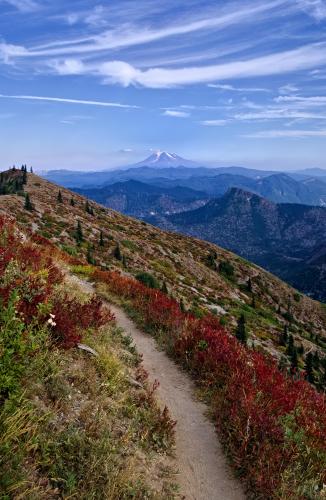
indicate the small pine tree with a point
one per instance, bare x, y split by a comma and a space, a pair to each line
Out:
89, 256
28, 204
31, 170
24, 177
182, 306
72, 202
164, 288
59, 198
284, 336
290, 346
124, 261
101, 242
117, 252
294, 359
241, 333
309, 368
253, 302
88, 209
79, 233
249, 285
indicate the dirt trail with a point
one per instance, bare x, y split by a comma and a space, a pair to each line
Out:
203, 471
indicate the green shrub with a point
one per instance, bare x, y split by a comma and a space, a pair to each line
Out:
148, 280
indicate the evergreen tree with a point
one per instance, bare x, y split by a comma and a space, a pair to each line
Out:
24, 178
290, 346
89, 210
284, 336
124, 261
72, 202
31, 170
301, 350
240, 332
309, 368
28, 204
59, 198
294, 359
79, 233
164, 288
316, 360
253, 302
249, 285
89, 256
101, 239
117, 252
211, 260
182, 306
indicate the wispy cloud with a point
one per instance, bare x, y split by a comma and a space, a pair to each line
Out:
315, 8
176, 114
231, 88
68, 101
287, 89
23, 5
120, 72
275, 134
306, 101
128, 35
213, 123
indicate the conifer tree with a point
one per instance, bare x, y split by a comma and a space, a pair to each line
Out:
31, 170
249, 285
164, 288
79, 233
182, 306
294, 358
101, 239
284, 336
72, 202
28, 204
290, 346
241, 333
309, 369
24, 179
124, 261
117, 252
89, 210
89, 256
59, 198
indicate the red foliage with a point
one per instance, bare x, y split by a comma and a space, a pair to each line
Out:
254, 401
33, 275
71, 318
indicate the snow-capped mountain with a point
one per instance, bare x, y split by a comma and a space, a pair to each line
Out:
164, 159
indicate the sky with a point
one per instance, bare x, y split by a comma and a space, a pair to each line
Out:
90, 85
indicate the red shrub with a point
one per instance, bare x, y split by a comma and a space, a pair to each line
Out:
71, 318
269, 422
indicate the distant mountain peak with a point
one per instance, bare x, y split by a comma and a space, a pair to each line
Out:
165, 159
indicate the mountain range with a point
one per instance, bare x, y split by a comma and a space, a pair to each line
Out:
286, 239
168, 170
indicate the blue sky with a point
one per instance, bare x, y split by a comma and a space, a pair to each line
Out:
93, 85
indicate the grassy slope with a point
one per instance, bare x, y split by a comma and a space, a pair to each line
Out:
73, 424
177, 260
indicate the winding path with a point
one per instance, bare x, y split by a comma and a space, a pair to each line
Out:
203, 470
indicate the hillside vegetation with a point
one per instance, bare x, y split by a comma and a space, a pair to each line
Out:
194, 296
71, 424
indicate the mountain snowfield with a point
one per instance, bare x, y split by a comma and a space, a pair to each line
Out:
165, 159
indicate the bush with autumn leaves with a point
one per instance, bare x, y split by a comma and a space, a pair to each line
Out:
273, 426
31, 314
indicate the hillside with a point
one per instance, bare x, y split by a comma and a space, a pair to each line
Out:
283, 238
278, 419
203, 276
